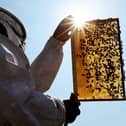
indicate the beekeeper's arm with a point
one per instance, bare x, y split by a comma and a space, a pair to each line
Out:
46, 65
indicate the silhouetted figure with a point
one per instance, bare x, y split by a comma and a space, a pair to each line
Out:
22, 102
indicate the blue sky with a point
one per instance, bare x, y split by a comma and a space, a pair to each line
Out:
40, 18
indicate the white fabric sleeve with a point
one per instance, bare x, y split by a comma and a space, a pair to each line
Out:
48, 111
45, 67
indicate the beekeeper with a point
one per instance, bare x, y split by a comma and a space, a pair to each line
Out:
22, 102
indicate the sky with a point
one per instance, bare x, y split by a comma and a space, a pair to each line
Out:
40, 18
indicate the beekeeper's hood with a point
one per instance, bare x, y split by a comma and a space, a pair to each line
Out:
11, 27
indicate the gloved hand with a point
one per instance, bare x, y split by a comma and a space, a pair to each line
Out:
62, 31
72, 108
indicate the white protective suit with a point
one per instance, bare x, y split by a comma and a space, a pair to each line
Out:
27, 83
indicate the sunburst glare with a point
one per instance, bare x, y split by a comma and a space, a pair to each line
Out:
79, 20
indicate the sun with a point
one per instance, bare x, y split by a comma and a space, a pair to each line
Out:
78, 22
79, 19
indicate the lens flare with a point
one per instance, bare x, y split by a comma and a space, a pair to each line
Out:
78, 20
